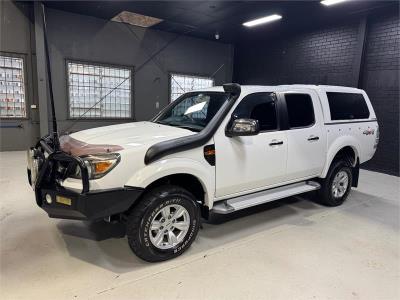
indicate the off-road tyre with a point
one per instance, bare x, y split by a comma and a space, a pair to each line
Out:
141, 216
326, 194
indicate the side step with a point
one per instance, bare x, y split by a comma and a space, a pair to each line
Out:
242, 202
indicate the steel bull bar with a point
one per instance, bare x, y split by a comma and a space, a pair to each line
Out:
63, 203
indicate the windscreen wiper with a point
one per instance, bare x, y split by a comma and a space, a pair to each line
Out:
179, 126
188, 127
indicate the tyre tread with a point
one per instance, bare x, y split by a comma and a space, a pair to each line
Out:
136, 217
324, 194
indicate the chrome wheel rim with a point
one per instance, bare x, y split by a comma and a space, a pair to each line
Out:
340, 184
169, 226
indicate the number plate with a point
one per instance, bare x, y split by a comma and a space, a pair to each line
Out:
64, 200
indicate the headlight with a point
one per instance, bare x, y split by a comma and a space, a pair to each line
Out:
98, 165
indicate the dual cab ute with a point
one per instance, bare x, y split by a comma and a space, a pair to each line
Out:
216, 150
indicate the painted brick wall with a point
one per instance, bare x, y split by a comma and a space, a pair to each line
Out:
328, 56
320, 57
381, 81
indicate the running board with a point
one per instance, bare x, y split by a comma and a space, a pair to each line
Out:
249, 200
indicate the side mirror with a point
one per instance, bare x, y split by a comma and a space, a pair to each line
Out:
242, 127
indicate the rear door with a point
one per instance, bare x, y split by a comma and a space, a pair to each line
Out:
248, 163
305, 134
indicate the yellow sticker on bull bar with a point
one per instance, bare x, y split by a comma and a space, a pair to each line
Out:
63, 200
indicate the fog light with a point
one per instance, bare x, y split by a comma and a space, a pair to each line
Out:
49, 199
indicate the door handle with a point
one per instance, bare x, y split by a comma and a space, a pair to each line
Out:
313, 138
275, 143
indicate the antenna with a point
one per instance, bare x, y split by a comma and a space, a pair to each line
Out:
54, 132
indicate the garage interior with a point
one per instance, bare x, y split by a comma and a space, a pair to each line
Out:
288, 249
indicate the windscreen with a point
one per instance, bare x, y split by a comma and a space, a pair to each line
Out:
193, 110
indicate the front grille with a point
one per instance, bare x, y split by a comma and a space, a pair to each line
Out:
64, 169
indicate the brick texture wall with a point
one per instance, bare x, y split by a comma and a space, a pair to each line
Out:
320, 57
329, 56
381, 82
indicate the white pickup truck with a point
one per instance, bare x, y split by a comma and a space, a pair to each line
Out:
216, 150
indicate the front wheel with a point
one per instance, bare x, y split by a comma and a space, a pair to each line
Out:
163, 224
337, 184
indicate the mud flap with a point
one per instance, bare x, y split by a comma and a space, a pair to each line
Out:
356, 173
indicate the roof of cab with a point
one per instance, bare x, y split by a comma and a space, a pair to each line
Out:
257, 88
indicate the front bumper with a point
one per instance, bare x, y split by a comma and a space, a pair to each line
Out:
67, 204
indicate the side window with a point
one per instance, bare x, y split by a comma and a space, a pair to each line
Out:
347, 106
12, 87
300, 110
261, 107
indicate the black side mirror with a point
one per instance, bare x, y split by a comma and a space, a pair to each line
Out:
242, 127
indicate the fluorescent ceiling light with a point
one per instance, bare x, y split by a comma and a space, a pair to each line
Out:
262, 20
332, 2
136, 19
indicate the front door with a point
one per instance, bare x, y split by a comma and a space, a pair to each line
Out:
250, 163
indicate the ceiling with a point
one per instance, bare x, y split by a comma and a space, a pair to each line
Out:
204, 18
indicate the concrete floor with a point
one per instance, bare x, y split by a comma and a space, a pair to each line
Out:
290, 249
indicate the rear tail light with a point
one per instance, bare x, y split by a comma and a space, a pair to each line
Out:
376, 138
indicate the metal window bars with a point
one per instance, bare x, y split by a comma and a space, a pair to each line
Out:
12, 87
89, 83
181, 83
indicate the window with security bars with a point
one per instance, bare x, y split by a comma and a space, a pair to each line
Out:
181, 83
12, 87
97, 91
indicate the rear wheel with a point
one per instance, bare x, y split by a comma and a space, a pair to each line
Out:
337, 184
163, 224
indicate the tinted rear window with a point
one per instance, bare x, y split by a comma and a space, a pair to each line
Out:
300, 110
347, 106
